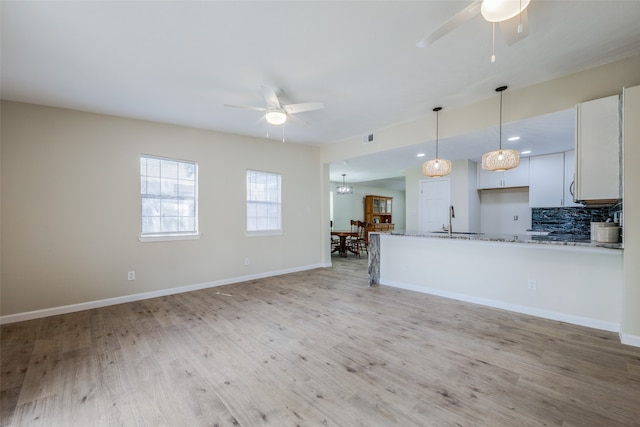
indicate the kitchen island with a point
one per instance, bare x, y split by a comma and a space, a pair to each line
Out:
557, 277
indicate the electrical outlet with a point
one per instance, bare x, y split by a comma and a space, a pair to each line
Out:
515, 217
131, 275
247, 261
532, 285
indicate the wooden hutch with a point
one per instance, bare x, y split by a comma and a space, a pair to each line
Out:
377, 213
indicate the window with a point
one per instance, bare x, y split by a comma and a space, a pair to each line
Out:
168, 198
264, 213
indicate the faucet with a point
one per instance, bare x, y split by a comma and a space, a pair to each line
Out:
451, 215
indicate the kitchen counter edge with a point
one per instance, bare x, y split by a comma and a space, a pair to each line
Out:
508, 238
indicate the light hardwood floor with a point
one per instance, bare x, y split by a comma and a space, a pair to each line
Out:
316, 348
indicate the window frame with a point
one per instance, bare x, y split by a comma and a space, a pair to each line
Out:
252, 201
169, 235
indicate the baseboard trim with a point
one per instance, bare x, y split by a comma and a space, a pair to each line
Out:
53, 311
532, 311
628, 339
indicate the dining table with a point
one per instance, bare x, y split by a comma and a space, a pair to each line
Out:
342, 247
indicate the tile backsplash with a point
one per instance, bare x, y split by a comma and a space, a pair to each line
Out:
571, 220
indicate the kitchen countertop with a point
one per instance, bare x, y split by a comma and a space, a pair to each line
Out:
550, 239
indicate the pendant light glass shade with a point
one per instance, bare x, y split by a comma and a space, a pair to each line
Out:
436, 167
344, 188
501, 10
502, 159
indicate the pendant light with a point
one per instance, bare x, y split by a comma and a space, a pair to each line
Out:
436, 167
344, 188
500, 160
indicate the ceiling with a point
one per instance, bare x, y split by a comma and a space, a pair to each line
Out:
180, 62
549, 133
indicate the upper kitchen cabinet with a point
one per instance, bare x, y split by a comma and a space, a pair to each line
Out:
551, 180
546, 181
516, 177
597, 177
570, 179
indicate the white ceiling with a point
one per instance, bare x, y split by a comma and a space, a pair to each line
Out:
550, 133
181, 61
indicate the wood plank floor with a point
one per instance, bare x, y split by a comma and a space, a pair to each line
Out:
316, 348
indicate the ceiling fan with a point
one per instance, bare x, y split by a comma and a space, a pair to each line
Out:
277, 113
511, 15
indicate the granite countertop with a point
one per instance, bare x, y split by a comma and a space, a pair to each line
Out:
575, 240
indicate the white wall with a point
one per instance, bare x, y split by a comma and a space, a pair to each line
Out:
631, 229
573, 285
71, 210
351, 206
498, 207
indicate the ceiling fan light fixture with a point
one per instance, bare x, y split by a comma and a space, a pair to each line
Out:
501, 10
501, 159
436, 167
276, 117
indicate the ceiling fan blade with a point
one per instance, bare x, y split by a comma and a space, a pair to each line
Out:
298, 120
458, 19
302, 107
509, 28
271, 97
246, 107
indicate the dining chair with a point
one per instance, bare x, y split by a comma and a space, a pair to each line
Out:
352, 241
335, 240
362, 236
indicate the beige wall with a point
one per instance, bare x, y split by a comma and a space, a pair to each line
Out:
70, 208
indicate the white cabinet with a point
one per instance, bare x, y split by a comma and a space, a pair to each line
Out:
598, 150
546, 181
516, 177
569, 179
551, 180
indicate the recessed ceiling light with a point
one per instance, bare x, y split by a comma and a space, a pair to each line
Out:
420, 155
526, 152
513, 138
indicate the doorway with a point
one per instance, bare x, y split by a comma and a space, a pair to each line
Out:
434, 204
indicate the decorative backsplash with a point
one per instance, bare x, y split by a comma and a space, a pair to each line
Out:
571, 220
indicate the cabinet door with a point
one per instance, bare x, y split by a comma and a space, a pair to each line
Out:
489, 179
569, 179
516, 177
546, 181
598, 149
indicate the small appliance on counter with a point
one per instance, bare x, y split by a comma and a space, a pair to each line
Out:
605, 232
